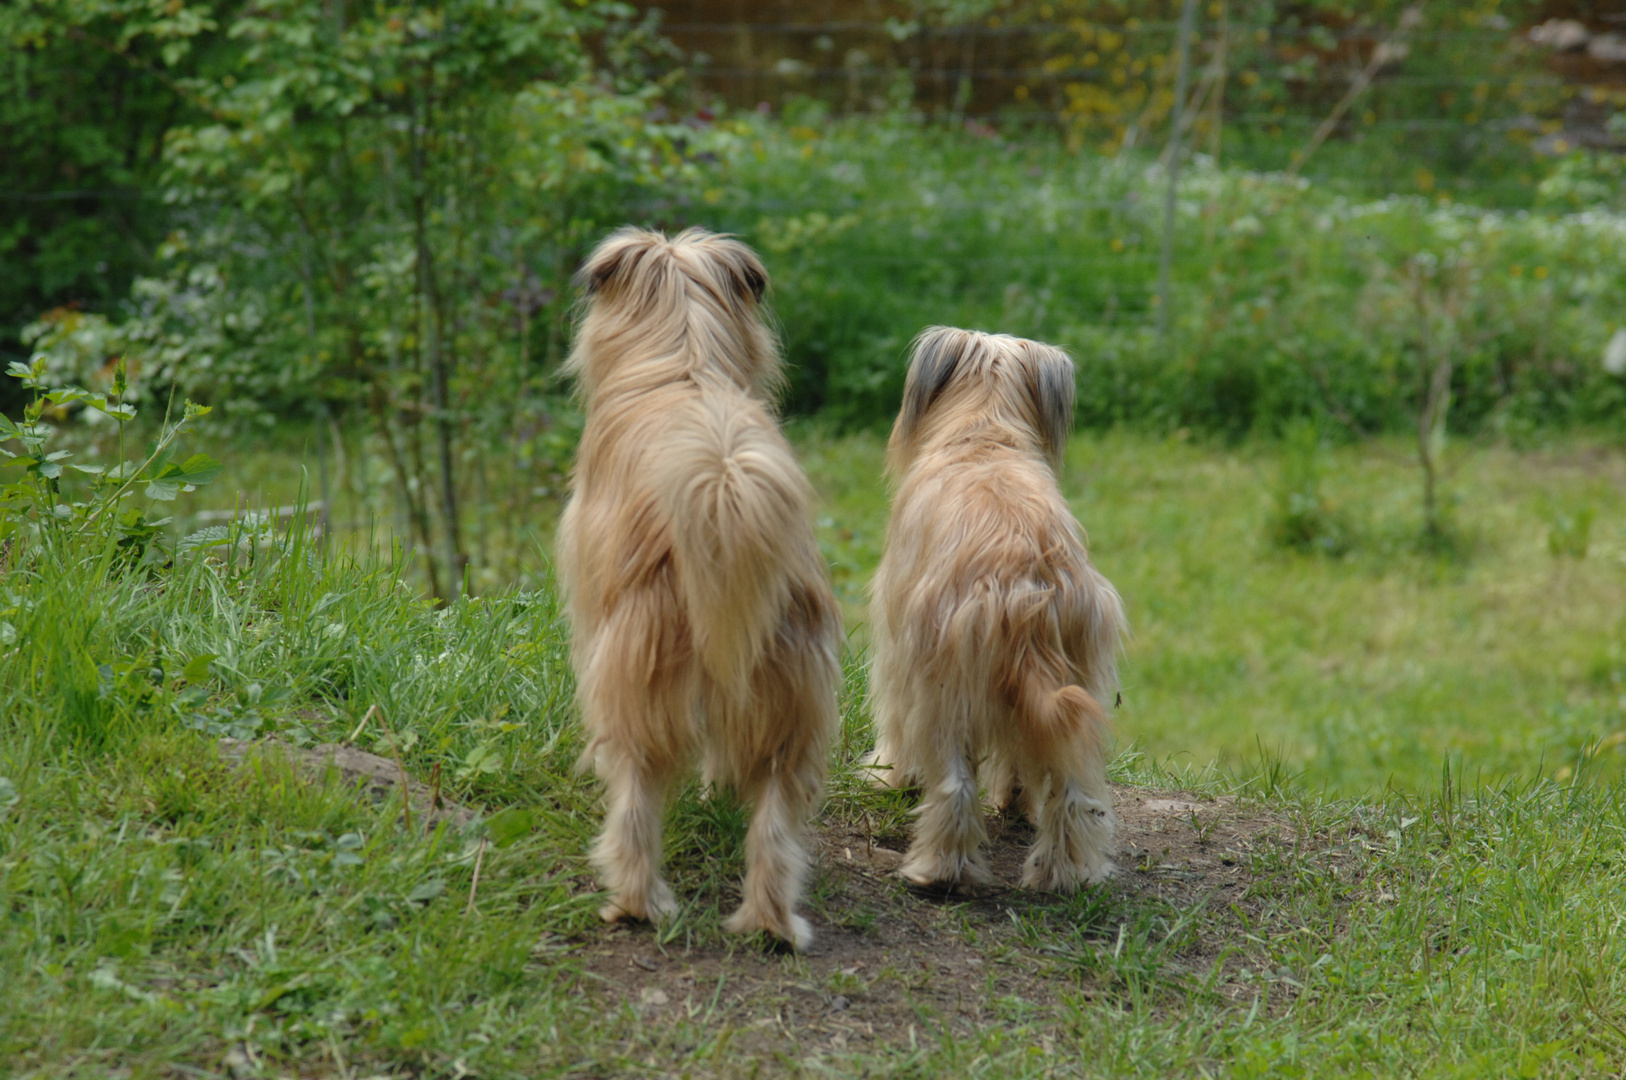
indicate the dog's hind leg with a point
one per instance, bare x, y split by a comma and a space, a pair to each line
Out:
776, 859
949, 835
637, 697
887, 766
776, 746
1062, 752
1075, 834
628, 851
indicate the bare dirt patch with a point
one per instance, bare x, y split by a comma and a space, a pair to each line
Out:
892, 964
377, 779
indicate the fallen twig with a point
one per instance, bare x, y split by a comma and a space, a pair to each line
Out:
474, 886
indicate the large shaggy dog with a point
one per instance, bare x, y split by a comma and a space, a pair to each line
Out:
704, 626
995, 640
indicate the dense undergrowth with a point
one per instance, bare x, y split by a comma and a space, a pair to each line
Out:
1290, 299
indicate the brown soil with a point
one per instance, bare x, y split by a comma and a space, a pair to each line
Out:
892, 964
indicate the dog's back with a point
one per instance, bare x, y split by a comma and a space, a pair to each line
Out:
682, 470
995, 639
692, 574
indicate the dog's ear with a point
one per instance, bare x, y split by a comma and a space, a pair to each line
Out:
934, 358
1051, 384
616, 257
750, 277
740, 272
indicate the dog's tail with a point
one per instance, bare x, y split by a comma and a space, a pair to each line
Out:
1064, 725
1062, 722
738, 506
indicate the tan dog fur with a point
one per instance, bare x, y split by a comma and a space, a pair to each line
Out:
703, 622
995, 640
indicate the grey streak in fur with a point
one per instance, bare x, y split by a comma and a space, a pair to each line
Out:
1053, 389
611, 259
937, 356
934, 357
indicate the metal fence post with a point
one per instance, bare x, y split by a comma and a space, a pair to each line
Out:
1188, 12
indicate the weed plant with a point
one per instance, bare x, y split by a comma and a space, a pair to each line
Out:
1303, 520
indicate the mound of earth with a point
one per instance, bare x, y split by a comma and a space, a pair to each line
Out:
888, 955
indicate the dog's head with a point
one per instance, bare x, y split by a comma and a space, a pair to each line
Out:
698, 294
960, 380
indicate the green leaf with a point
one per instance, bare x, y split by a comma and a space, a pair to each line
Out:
162, 490
213, 536
425, 891
484, 758
66, 395
510, 825
159, 465
199, 469
198, 668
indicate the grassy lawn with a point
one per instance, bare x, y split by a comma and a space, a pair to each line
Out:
178, 906
1358, 671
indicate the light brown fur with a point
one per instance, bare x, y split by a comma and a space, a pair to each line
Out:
995, 640
703, 621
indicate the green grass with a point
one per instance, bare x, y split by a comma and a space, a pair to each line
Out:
1359, 671
165, 914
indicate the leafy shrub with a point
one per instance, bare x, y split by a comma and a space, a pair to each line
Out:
1302, 518
1285, 298
1569, 532
39, 506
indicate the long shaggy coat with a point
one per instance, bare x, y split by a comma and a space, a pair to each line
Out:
995, 640
704, 626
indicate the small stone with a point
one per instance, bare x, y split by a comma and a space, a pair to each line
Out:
840, 1003
1172, 806
654, 996
645, 962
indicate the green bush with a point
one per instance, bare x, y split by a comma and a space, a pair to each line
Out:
1289, 299
1302, 519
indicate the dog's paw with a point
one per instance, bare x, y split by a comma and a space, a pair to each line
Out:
1064, 876
792, 930
656, 907
928, 869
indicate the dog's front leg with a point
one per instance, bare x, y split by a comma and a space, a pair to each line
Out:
628, 852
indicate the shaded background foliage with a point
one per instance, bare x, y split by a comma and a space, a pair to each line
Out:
359, 221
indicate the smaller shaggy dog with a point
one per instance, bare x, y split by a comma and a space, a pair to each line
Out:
704, 626
995, 640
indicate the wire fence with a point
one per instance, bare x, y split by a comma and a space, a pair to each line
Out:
1442, 81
